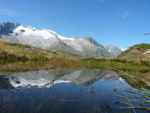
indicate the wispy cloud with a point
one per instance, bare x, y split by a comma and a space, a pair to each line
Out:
8, 12
125, 14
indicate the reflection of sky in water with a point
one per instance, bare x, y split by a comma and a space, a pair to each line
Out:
101, 93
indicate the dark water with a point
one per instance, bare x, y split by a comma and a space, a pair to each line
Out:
81, 91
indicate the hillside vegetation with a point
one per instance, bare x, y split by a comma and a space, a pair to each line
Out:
138, 53
16, 57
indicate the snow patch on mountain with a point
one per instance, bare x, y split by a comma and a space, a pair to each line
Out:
29, 31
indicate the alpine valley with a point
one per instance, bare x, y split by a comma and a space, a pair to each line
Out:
25, 48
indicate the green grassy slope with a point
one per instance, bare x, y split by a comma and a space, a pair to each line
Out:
16, 57
10, 52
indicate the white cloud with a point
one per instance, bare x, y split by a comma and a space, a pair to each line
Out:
8, 12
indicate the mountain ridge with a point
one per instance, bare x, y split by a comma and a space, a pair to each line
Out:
50, 40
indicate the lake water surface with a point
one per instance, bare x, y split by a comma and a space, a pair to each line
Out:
71, 91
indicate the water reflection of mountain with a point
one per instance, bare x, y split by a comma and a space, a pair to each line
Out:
90, 91
48, 78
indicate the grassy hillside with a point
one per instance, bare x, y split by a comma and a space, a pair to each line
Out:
10, 52
138, 53
16, 57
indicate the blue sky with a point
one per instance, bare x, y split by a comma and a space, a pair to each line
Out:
119, 22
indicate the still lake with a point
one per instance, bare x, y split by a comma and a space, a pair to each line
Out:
70, 91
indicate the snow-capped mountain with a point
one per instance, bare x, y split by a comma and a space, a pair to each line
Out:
50, 40
113, 50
